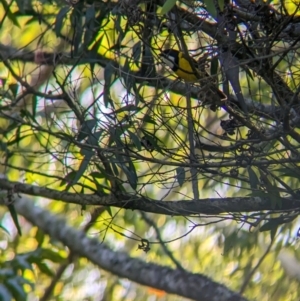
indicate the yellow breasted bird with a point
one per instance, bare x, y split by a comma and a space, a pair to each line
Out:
181, 65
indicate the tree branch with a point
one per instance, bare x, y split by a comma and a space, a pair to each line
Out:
186, 284
173, 208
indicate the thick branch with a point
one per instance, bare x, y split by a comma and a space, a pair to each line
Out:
194, 286
174, 208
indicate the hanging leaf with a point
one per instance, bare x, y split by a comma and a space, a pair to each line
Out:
210, 6
14, 217
135, 139
214, 66
169, 4
16, 287
149, 119
76, 23
273, 191
253, 179
14, 89
180, 173
270, 226
5, 295
59, 19
11, 16
221, 5
86, 129
128, 78
136, 52
131, 175
109, 77
89, 25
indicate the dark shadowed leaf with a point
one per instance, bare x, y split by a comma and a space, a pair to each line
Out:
44, 269
14, 217
109, 77
149, 119
5, 295
136, 52
135, 140
60, 18
214, 66
169, 4
253, 179
15, 286
51, 255
10, 15
86, 129
90, 31
221, 5
180, 174
268, 226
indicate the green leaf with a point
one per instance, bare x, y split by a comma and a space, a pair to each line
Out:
5, 295
273, 191
128, 78
44, 269
214, 66
13, 88
136, 52
121, 32
253, 179
90, 25
88, 153
97, 175
221, 5
270, 225
108, 210
86, 129
34, 106
133, 179
109, 77
14, 217
11, 16
149, 119
91, 142
90, 14
82, 168
288, 172
68, 178
135, 140
169, 4
16, 287
180, 173
210, 6
51, 255
273, 233
229, 243
131, 176
22, 261
21, 5
39, 236
59, 19
76, 23
115, 168
128, 169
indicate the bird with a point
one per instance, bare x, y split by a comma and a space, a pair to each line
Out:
190, 71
